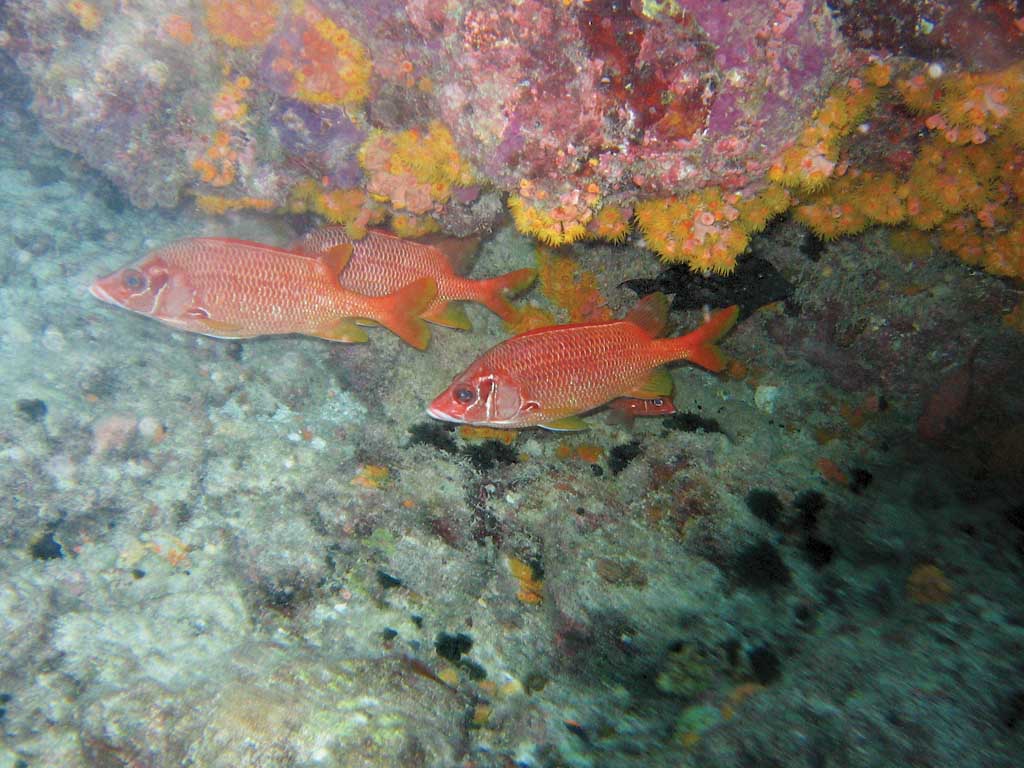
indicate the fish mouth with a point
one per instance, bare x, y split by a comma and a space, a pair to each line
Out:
437, 413
97, 290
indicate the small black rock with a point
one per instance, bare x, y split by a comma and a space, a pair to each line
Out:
761, 566
32, 409
819, 552
810, 503
475, 670
691, 422
45, 547
452, 647
489, 453
765, 505
620, 456
765, 665
860, 479
433, 433
388, 581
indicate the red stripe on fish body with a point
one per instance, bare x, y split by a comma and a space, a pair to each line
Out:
544, 376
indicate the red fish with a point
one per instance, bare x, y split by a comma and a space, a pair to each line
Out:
234, 289
625, 410
382, 263
548, 376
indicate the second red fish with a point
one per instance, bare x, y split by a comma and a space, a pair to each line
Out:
382, 263
549, 376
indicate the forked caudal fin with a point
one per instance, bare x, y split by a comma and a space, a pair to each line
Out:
494, 292
699, 346
400, 311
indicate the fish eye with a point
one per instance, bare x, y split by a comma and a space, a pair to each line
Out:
464, 395
133, 280
658, 402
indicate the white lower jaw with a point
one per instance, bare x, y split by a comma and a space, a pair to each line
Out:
100, 294
441, 415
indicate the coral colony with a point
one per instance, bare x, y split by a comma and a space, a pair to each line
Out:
695, 123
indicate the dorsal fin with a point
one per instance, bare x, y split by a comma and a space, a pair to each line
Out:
651, 314
336, 259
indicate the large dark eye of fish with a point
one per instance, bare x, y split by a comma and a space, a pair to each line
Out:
658, 402
133, 280
465, 395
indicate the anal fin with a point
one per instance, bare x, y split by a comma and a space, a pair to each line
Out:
568, 424
344, 330
219, 329
449, 314
658, 384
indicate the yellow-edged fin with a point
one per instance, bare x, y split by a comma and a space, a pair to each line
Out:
650, 313
221, 330
449, 314
337, 258
343, 330
568, 424
658, 384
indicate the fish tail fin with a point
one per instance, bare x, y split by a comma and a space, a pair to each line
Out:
494, 292
402, 309
698, 346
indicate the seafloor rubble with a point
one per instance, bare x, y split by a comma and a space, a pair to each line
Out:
263, 553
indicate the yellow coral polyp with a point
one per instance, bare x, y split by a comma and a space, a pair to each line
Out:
216, 166
413, 226
1004, 255
88, 15
812, 161
831, 216
549, 229
919, 92
962, 237
414, 170
333, 68
804, 167
348, 207
881, 198
565, 284
755, 212
702, 230
966, 180
610, 224
983, 100
241, 23
229, 104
